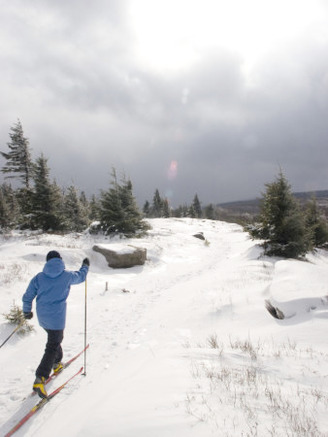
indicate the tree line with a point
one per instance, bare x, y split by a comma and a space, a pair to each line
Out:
39, 203
160, 207
286, 228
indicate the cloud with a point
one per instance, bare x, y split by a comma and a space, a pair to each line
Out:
73, 75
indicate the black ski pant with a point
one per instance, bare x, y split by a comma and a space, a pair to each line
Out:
52, 354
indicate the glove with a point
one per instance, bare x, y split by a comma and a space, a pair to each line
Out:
28, 316
86, 262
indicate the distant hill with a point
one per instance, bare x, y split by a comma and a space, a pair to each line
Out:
321, 196
245, 210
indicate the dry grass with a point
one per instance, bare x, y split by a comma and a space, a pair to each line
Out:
12, 272
249, 389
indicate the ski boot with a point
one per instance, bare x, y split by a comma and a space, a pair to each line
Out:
39, 388
57, 368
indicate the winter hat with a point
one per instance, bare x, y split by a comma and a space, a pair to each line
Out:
53, 254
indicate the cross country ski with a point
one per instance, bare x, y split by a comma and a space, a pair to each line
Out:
65, 365
41, 404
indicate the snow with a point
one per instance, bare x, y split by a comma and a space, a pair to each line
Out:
118, 248
182, 346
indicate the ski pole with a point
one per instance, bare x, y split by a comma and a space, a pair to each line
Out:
85, 328
15, 330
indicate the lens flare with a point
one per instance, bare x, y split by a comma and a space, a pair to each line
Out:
173, 170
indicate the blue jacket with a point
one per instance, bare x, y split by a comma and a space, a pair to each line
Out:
51, 288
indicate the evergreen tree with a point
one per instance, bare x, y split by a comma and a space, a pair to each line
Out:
9, 208
191, 212
181, 211
197, 207
118, 210
47, 199
111, 212
4, 211
166, 209
85, 204
25, 199
84, 201
94, 208
146, 209
75, 215
210, 212
132, 216
157, 206
282, 224
19, 157
316, 224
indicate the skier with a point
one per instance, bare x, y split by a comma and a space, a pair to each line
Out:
51, 288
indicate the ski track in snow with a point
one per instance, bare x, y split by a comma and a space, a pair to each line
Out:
145, 341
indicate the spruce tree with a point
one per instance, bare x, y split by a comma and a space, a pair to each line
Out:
132, 221
19, 163
111, 211
4, 211
146, 209
166, 209
316, 224
94, 208
197, 207
47, 199
282, 223
157, 206
75, 213
118, 212
210, 212
84, 201
25, 201
9, 208
181, 211
191, 212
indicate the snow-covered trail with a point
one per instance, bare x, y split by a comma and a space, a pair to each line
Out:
138, 371
149, 344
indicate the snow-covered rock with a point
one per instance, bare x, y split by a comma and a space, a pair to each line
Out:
121, 257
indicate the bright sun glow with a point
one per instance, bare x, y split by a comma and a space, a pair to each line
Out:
173, 34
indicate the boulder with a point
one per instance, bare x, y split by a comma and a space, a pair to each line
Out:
199, 235
122, 257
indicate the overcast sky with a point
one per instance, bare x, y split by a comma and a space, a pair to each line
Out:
188, 96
